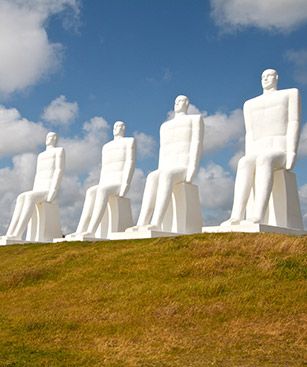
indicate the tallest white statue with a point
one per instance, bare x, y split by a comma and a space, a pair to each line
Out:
272, 122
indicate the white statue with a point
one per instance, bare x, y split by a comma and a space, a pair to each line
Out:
181, 141
49, 172
118, 164
272, 122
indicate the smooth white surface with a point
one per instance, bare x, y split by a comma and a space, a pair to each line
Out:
183, 214
253, 228
118, 164
49, 172
272, 123
181, 140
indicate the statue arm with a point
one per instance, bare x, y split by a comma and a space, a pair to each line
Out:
293, 128
248, 134
57, 175
196, 147
128, 167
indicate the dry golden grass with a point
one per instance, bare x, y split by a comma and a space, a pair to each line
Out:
202, 300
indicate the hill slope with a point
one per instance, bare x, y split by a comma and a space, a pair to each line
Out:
201, 300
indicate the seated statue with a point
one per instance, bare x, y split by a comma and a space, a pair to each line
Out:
118, 163
49, 172
272, 122
181, 141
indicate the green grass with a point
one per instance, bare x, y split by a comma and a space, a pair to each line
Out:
194, 301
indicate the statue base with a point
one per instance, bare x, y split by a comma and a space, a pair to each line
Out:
253, 228
6, 241
141, 235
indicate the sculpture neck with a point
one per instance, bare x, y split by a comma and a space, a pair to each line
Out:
177, 114
117, 137
49, 147
268, 91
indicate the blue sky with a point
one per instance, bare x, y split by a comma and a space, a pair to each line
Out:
78, 66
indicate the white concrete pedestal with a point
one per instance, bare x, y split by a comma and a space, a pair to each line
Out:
140, 234
284, 206
44, 224
117, 218
183, 214
253, 228
5, 241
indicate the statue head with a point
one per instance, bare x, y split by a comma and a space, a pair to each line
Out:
51, 139
269, 79
119, 128
181, 104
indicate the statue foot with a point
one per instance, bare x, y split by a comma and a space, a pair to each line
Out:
87, 234
230, 222
132, 229
146, 227
252, 220
71, 235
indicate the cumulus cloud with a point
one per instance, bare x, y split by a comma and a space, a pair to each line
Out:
277, 15
60, 111
84, 153
26, 53
222, 129
18, 134
13, 181
302, 148
216, 192
303, 202
146, 145
298, 58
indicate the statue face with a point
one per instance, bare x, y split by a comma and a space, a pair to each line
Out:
181, 104
51, 139
119, 129
269, 79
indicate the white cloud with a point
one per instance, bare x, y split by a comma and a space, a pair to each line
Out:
302, 148
13, 181
83, 154
19, 135
299, 60
146, 145
222, 129
278, 15
303, 202
26, 54
60, 111
216, 192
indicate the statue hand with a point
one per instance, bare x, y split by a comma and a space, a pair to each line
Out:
51, 196
123, 190
290, 160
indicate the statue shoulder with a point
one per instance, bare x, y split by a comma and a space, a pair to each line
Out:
294, 92
196, 118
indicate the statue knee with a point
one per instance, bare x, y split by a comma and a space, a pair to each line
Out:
245, 163
166, 178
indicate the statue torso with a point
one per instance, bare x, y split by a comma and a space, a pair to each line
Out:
175, 142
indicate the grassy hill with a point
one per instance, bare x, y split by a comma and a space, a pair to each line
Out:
201, 300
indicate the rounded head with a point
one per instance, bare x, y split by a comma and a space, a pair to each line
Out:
119, 128
269, 79
181, 104
51, 139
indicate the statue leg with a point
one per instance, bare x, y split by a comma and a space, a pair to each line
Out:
101, 201
243, 185
266, 164
167, 180
87, 209
16, 214
29, 200
149, 198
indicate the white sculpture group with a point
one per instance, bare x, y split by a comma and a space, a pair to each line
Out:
265, 189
